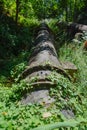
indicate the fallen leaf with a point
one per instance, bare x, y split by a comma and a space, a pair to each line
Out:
46, 114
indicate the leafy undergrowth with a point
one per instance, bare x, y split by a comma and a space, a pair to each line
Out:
68, 95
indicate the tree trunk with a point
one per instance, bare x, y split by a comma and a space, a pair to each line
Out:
17, 11
66, 10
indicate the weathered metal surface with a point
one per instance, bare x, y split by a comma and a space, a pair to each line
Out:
44, 58
70, 68
44, 51
73, 29
42, 63
68, 113
41, 96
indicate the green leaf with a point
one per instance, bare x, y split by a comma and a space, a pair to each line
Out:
71, 123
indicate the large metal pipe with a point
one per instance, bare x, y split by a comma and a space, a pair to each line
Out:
43, 59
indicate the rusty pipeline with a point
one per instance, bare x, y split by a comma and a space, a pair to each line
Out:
44, 59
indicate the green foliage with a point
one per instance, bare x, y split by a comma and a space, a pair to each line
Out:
68, 95
67, 10
15, 45
65, 124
